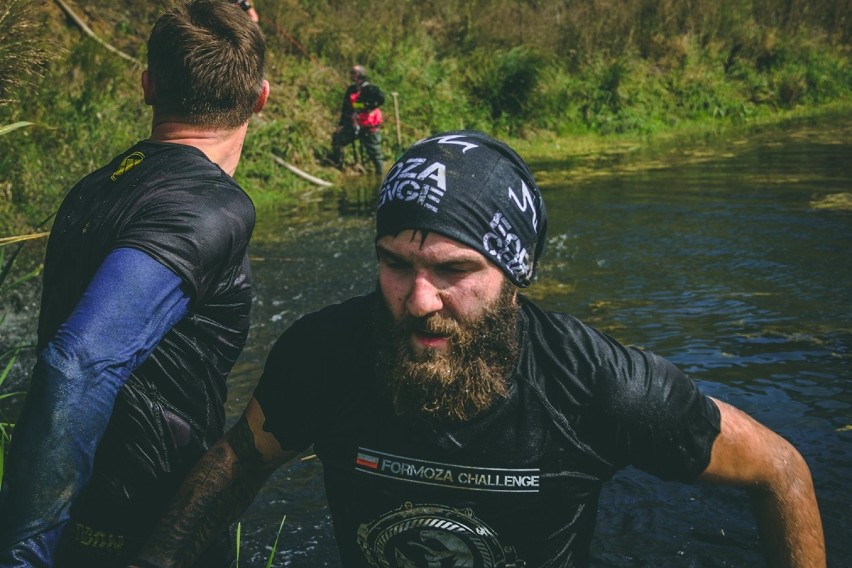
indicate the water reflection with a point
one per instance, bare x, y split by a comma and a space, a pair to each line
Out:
721, 258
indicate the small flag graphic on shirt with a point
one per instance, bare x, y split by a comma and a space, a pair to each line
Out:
365, 460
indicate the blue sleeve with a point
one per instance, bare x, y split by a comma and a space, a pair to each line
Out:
129, 305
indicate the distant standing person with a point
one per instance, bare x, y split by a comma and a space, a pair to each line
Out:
360, 119
145, 308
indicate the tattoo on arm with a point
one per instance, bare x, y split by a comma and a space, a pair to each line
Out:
220, 487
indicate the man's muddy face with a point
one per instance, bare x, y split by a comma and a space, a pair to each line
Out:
447, 329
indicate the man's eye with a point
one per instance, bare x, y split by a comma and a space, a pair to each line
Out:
394, 264
455, 270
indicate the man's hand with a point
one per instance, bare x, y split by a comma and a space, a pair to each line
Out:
220, 487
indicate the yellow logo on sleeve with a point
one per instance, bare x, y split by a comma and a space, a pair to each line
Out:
128, 164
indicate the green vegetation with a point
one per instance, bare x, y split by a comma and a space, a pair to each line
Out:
556, 77
273, 550
7, 360
10, 356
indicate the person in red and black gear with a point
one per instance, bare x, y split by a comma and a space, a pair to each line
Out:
360, 119
248, 8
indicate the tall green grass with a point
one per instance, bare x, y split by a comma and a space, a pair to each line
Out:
8, 358
273, 548
24, 48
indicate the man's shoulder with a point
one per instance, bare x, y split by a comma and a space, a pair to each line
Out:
159, 163
173, 203
181, 158
151, 171
340, 317
549, 321
329, 337
182, 173
564, 345
151, 150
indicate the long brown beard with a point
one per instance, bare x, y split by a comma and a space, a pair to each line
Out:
456, 384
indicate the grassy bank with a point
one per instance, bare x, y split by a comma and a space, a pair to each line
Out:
554, 77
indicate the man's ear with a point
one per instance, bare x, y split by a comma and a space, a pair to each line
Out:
264, 94
149, 90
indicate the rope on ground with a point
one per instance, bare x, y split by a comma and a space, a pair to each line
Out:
21, 238
71, 14
300, 173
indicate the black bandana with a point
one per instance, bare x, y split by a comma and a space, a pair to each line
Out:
471, 188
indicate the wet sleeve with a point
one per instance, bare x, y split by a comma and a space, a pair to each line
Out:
316, 373
650, 415
289, 390
130, 304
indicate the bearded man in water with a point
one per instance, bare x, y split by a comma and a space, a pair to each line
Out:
460, 424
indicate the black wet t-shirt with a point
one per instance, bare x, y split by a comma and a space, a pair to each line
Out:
518, 485
171, 202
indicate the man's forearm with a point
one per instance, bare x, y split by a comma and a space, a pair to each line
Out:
789, 521
127, 308
749, 455
53, 451
220, 487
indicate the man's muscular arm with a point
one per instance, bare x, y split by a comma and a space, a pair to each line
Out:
131, 303
749, 455
220, 487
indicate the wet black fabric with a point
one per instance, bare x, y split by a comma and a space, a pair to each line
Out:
520, 483
172, 203
471, 188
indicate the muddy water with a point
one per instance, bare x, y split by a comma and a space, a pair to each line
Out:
731, 258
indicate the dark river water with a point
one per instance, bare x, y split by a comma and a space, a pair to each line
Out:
729, 255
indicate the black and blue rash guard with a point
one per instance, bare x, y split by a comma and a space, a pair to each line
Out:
516, 486
129, 306
145, 308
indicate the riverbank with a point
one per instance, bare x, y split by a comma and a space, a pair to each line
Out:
593, 156
584, 156
549, 78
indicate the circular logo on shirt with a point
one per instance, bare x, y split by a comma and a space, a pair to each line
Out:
433, 536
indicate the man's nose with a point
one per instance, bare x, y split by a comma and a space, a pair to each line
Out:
424, 298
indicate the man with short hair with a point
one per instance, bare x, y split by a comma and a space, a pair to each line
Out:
145, 308
458, 423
